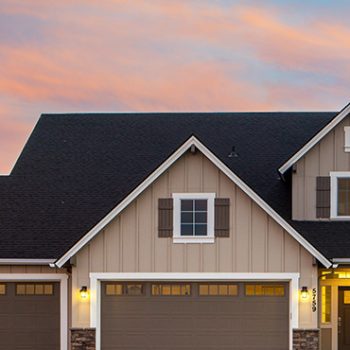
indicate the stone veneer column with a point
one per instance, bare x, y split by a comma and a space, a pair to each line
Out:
306, 339
83, 339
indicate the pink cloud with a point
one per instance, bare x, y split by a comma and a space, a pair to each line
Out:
166, 56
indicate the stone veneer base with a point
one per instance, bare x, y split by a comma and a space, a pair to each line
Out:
306, 339
83, 339
303, 339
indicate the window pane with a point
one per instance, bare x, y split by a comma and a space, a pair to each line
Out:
30, 289
21, 289
213, 289
133, 289
166, 289
233, 289
186, 205
110, 289
39, 289
201, 217
186, 230
48, 289
201, 205
186, 289
326, 298
2, 289
223, 289
344, 196
187, 218
201, 230
203, 289
344, 183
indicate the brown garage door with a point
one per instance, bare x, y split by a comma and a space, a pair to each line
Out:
194, 316
29, 316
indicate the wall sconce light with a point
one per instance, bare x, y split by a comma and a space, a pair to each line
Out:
84, 294
304, 293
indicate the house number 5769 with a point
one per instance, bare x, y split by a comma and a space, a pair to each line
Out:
314, 307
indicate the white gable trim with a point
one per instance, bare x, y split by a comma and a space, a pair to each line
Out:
320, 135
158, 172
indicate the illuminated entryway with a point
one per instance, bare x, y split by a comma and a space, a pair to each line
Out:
335, 309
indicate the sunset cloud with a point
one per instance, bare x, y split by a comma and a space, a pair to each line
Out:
166, 56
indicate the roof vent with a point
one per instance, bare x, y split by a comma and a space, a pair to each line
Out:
233, 153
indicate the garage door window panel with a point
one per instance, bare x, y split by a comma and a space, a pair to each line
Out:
218, 290
124, 289
171, 289
34, 289
264, 290
2, 289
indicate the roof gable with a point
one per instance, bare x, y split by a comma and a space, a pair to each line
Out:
76, 168
192, 141
315, 139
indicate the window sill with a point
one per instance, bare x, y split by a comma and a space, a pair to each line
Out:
340, 218
197, 239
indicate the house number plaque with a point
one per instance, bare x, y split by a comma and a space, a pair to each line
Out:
314, 307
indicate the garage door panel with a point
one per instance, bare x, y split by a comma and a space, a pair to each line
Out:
30, 322
194, 321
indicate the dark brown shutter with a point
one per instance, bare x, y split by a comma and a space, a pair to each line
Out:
323, 196
165, 217
222, 217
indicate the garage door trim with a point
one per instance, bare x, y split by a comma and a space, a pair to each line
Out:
39, 277
97, 278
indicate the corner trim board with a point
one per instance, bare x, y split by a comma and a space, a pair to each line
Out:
158, 172
54, 277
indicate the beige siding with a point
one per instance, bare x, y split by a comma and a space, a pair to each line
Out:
328, 155
130, 243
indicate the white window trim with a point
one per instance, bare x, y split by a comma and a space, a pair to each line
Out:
96, 278
347, 138
334, 194
53, 277
210, 237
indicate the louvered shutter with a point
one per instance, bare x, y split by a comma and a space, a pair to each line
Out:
165, 217
222, 217
323, 196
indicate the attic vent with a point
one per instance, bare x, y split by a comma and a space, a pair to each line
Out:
233, 153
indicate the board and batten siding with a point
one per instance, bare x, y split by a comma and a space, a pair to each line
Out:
130, 243
328, 155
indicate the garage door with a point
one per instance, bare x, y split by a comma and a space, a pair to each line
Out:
194, 316
29, 316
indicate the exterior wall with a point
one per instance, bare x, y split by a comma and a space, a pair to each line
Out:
130, 243
328, 155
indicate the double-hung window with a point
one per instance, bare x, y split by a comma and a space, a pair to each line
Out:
193, 217
340, 195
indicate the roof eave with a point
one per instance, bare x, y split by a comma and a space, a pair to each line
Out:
314, 140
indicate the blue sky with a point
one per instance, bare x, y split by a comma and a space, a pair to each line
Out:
189, 55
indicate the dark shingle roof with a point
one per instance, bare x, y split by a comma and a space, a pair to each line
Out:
75, 168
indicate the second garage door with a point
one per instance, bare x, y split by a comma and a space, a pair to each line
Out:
174, 316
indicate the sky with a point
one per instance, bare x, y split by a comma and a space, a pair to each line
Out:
168, 55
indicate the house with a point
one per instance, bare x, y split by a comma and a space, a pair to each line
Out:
178, 231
